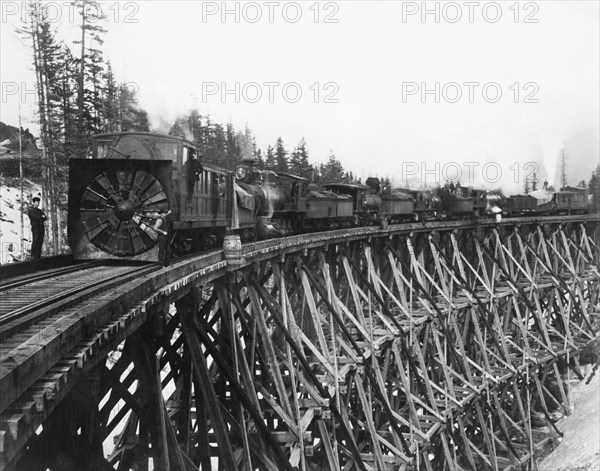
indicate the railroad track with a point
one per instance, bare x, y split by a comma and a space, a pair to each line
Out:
30, 300
15, 282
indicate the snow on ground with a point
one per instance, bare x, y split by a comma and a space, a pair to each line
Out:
579, 449
10, 219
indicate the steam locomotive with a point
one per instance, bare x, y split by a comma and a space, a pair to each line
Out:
144, 196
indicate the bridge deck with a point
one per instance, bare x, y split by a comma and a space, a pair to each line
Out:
42, 360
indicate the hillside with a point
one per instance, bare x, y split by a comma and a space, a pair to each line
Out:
10, 194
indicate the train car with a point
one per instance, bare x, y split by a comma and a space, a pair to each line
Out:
203, 205
455, 203
327, 210
566, 202
520, 205
137, 194
427, 205
571, 200
458, 206
396, 206
366, 204
581, 200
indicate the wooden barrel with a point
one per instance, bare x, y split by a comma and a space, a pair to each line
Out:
232, 247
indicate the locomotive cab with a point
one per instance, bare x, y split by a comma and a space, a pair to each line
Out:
275, 201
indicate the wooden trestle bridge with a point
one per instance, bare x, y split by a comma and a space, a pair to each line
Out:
428, 346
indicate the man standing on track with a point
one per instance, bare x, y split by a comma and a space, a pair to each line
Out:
37, 219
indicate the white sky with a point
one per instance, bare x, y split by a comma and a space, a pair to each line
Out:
173, 54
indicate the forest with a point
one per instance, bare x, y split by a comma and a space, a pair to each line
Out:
78, 95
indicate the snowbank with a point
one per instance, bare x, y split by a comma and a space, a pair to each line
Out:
10, 219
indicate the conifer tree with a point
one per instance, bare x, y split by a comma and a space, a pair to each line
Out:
216, 151
232, 148
333, 170
593, 180
294, 162
348, 177
91, 65
270, 158
39, 31
281, 161
67, 85
299, 164
131, 116
110, 102
245, 141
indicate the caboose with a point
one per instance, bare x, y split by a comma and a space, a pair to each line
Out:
568, 201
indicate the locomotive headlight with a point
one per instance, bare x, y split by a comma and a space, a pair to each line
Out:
240, 173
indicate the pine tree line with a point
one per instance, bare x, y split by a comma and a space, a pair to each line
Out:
225, 147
